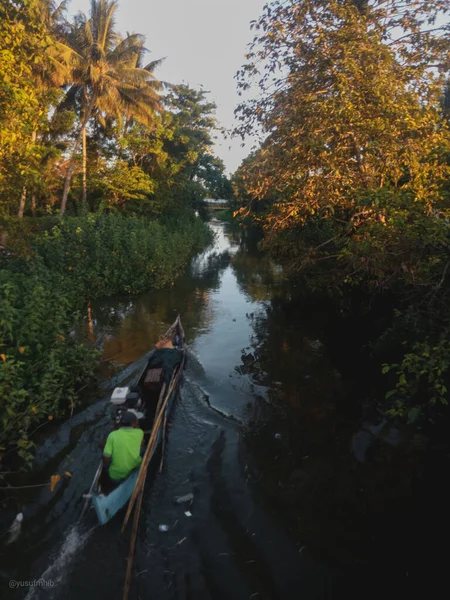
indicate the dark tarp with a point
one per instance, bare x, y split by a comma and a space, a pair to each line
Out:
168, 359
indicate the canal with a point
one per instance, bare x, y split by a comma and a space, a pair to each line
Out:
300, 489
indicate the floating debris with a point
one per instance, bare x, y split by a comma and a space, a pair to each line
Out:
15, 529
185, 498
180, 542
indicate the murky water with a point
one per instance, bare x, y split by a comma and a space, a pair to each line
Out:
295, 495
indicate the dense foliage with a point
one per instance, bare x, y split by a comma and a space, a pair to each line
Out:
42, 298
88, 133
351, 181
22, 105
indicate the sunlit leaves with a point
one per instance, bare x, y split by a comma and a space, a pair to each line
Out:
54, 479
23, 42
341, 109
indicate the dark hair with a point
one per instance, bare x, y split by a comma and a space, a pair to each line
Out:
128, 418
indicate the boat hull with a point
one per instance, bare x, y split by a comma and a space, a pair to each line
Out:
106, 506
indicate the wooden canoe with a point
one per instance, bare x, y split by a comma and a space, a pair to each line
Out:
153, 395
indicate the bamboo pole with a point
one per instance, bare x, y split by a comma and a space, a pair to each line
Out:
130, 560
140, 491
160, 399
163, 442
148, 451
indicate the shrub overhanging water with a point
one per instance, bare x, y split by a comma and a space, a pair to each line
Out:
42, 365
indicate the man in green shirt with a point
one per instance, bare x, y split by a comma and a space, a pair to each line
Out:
122, 452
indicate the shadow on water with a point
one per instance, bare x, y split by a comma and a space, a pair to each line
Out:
261, 435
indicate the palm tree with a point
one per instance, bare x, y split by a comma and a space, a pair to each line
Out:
108, 79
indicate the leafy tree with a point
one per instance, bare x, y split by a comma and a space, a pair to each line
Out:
175, 150
50, 74
22, 35
345, 107
211, 172
83, 77
120, 184
192, 121
38, 62
107, 75
241, 183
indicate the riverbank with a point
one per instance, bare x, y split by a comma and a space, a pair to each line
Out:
46, 291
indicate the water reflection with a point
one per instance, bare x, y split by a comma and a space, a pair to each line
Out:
222, 287
338, 479
129, 326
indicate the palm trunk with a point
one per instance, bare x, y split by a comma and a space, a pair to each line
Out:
33, 204
84, 164
23, 197
69, 174
90, 322
71, 167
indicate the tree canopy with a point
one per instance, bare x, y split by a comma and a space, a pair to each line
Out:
345, 106
85, 123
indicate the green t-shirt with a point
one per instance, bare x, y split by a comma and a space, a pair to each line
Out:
124, 448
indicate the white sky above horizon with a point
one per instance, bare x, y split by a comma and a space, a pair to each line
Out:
204, 42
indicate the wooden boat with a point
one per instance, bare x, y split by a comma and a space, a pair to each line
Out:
151, 400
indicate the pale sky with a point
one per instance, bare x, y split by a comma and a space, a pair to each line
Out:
204, 42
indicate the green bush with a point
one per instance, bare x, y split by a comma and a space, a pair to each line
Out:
421, 380
42, 365
113, 254
225, 214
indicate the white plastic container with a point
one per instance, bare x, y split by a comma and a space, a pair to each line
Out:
119, 395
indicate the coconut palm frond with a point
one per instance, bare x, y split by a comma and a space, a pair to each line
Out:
107, 68
103, 22
59, 10
134, 40
155, 64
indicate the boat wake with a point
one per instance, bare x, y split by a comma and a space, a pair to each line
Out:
55, 573
193, 364
204, 397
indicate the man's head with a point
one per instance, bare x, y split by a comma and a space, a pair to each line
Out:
129, 419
